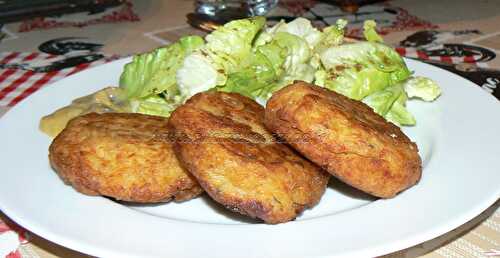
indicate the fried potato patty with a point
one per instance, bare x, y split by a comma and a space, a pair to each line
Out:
345, 137
222, 141
121, 155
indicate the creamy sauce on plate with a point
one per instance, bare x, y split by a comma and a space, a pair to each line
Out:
110, 99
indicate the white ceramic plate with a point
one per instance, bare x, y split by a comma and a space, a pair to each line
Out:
458, 140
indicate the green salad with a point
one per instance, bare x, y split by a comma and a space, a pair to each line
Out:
247, 57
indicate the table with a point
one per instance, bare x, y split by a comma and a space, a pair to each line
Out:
138, 26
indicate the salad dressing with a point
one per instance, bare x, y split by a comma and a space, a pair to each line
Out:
110, 99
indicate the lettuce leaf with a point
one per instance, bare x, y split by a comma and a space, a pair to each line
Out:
358, 69
370, 32
154, 72
332, 36
391, 101
422, 87
154, 105
272, 66
258, 75
398, 114
298, 54
224, 53
302, 28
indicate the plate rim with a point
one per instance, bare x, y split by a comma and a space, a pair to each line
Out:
403, 243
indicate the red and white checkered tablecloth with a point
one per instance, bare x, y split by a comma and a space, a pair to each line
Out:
17, 84
419, 54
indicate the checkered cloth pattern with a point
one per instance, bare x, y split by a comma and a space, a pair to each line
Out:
17, 84
418, 54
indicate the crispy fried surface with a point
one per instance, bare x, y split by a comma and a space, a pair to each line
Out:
345, 137
222, 141
121, 155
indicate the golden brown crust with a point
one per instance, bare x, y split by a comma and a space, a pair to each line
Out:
222, 141
121, 155
345, 137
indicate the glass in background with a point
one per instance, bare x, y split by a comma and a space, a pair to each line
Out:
237, 8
